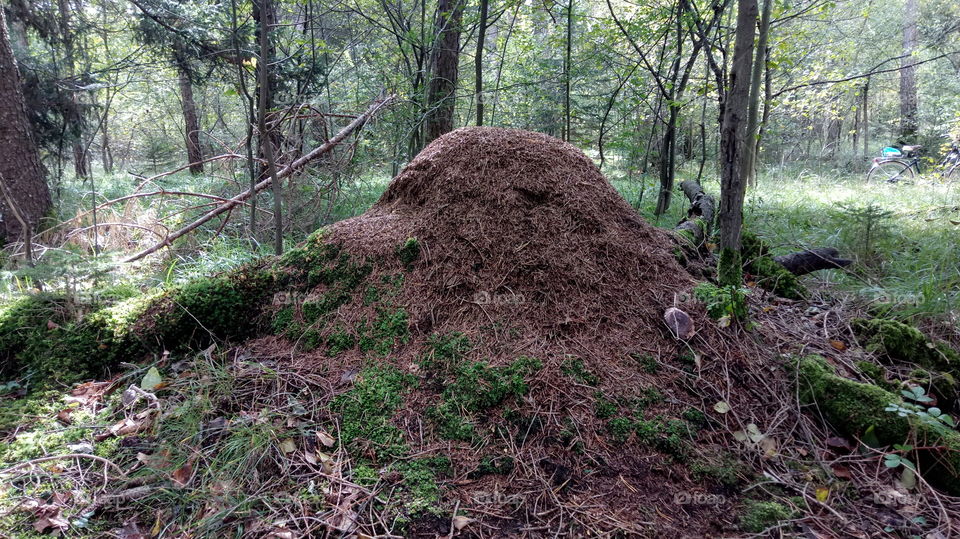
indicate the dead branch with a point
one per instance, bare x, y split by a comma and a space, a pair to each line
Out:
228, 205
699, 218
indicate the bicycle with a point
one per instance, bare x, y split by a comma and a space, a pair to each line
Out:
894, 168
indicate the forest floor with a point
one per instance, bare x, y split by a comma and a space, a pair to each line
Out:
706, 438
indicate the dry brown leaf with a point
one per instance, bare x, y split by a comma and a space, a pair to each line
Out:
325, 438
838, 345
841, 471
181, 476
460, 522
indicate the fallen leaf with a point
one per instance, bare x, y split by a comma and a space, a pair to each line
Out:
753, 431
63, 416
288, 446
838, 345
326, 462
151, 380
841, 471
325, 438
52, 325
461, 522
823, 493
724, 321
721, 407
181, 476
310, 457
769, 446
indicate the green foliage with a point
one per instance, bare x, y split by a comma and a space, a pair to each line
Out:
647, 362
768, 274
724, 469
723, 302
760, 515
730, 268
387, 329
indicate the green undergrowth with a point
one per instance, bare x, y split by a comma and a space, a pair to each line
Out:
767, 273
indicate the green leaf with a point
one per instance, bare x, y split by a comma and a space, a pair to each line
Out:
151, 380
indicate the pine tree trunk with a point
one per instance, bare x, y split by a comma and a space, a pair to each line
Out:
443, 84
21, 169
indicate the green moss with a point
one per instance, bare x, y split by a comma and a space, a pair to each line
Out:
493, 465
340, 341
647, 362
723, 301
409, 252
389, 328
421, 490
729, 268
695, 417
854, 408
574, 368
769, 275
475, 387
724, 469
648, 397
876, 374
366, 411
445, 351
620, 428
897, 341
758, 515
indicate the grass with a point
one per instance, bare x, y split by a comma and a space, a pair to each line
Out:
902, 237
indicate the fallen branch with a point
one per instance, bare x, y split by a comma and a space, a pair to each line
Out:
228, 205
61, 457
699, 218
812, 260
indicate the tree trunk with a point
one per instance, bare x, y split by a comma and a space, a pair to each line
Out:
566, 73
266, 136
908, 74
732, 140
753, 112
866, 117
443, 84
191, 124
478, 62
21, 169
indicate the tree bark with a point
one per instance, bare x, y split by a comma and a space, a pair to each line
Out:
566, 73
908, 74
478, 61
699, 220
266, 137
191, 124
753, 112
866, 117
443, 84
21, 169
732, 141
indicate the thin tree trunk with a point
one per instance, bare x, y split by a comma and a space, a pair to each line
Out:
866, 117
753, 111
478, 61
23, 173
191, 124
566, 72
443, 84
732, 139
266, 138
908, 74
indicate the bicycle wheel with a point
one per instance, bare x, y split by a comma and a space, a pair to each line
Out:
951, 172
890, 171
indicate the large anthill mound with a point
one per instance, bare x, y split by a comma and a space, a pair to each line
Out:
509, 305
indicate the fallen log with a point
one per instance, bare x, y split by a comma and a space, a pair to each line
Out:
699, 221
231, 203
811, 260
